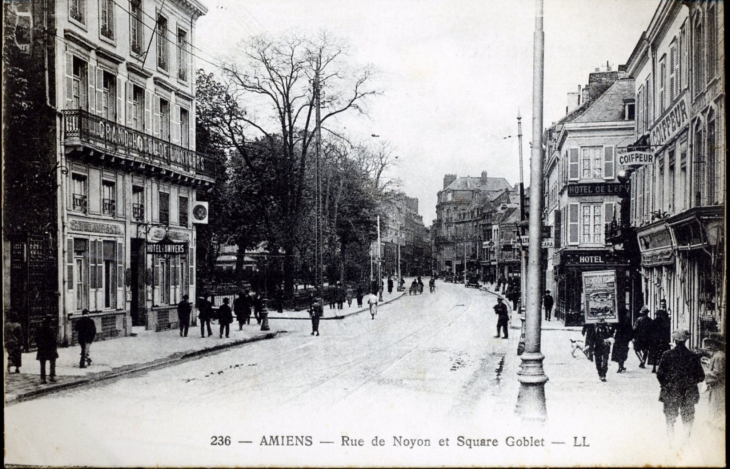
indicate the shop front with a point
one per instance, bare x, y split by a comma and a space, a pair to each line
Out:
569, 266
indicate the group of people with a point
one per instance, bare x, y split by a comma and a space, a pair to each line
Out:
46, 343
245, 304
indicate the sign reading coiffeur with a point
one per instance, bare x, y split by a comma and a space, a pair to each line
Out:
636, 158
670, 123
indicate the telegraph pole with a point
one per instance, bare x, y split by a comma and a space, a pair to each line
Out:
532, 378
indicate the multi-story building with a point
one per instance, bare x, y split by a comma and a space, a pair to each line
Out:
456, 230
120, 84
582, 190
677, 174
402, 229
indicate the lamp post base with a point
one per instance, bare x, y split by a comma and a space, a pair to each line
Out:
264, 321
531, 398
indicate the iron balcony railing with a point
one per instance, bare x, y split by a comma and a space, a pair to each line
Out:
115, 139
108, 206
138, 211
79, 202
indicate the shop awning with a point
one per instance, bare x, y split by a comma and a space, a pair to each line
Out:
657, 257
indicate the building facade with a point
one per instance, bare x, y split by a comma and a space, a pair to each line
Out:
121, 81
677, 206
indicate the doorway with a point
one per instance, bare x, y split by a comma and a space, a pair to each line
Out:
138, 269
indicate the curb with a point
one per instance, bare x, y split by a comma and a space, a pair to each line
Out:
129, 370
336, 318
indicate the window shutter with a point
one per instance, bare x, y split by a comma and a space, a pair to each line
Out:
610, 212
573, 163
92, 264
69, 80
158, 117
157, 271
557, 235
147, 112
609, 163
99, 264
176, 125
99, 92
92, 89
70, 264
130, 98
120, 101
191, 126
573, 223
120, 265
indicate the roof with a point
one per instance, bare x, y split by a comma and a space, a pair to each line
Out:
467, 183
609, 106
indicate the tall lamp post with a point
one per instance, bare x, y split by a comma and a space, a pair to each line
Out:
532, 378
380, 272
523, 254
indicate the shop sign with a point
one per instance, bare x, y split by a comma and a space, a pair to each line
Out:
655, 240
596, 188
548, 243
167, 247
671, 123
636, 158
89, 227
600, 296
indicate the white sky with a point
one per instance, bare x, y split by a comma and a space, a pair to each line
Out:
454, 73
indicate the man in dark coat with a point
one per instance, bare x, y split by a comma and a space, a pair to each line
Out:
680, 370
240, 307
258, 306
548, 302
601, 347
183, 315
316, 312
642, 336
661, 335
623, 334
390, 284
359, 295
225, 318
86, 331
205, 313
45, 340
500, 309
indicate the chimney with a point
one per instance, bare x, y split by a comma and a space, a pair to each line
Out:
573, 101
448, 179
483, 179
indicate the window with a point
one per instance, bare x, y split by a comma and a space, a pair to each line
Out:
76, 83
136, 108
77, 10
684, 183
182, 207
164, 208
649, 101
108, 95
671, 193
711, 41
698, 164
165, 119
78, 193
711, 157
673, 66
683, 57
184, 128
106, 18
662, 84
182, 55
138, 203
699, 57
136, 27
108, 198
591, 224
660, 185
162, 57
591, 162
109, 275
629, 110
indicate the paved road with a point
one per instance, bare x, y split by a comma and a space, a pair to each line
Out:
427, 363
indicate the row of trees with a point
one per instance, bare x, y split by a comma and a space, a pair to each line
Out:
258, 115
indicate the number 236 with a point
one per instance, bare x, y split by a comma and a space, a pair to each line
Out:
220, 440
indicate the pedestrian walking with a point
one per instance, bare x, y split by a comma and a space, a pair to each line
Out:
390, 284
358, 296
420, 285
715, 381
642, 336
414, 287
548, 303
373, 304
332, 293
348, 295
225, 318
340, 294
279, 299
45, 340
315, 313
205, 314
85, 332
239, 309
258, 306
500, 309
623, 334
432, 285
13, 335
679, 373
661, 335
183, 315
601, 347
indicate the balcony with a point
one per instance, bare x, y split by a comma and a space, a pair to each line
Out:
138, 212
108, 207
105, 137
79, 202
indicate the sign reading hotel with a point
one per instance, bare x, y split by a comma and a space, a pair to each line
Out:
167, 247
600, 295
636, 158
671, 123
597, 188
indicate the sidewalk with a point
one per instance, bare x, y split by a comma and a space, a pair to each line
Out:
144, 351
554, 325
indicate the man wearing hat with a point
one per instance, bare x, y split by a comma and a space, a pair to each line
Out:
679, 372
548, 302
86, 332
315, 312
500, 309
715, 380
642, 336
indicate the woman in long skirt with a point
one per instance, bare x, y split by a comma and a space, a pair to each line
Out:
14, 342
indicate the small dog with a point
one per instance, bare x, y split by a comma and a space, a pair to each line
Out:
577, 345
